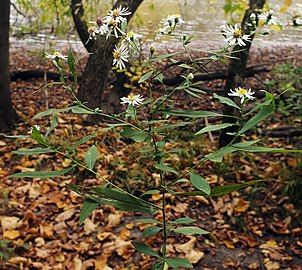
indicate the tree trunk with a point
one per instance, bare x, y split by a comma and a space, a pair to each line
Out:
8, 116
77, 12
95, 76
237, 68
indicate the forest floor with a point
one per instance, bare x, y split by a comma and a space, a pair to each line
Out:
256, 228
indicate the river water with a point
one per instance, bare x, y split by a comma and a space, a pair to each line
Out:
202, 17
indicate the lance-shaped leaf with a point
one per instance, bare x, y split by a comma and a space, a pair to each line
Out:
91, 156
33, 151
176, 263
165, 168
88, 207
145, 249
265, 111
214, 128
146, 76
192, 114
227, 101
191, 230
41, 174
200, 183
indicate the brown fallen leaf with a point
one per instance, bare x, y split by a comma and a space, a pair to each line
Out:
114, 220
34, 190
9, 223
241, 205
89, 226
11, 234
65, 215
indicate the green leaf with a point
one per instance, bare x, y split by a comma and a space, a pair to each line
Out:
192, 114
159, 265
146, 76
145, 249
136, 135
36, 135
91, 156
265, 111
165, 168
15, 136
83, 140
88, 207
51, 112
150, 192
122, 200
41, 174
227, 101
213, 128
200, 183
81, 110
190, 230
219, 154
33, 151
185, 220
150, 231
130, 207
223, 190
176, 263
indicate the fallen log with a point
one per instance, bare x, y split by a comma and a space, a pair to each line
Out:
283, 132
250, 71
33, 74
38, 74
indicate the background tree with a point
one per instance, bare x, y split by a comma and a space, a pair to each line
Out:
95, 76
8, 116
237, 66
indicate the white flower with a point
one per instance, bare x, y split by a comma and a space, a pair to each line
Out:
131, 36
118, 14
269, 18
37, 127
93, 30
173, 21
115, 27
234, 35
120, 55
170, 23
132, 99
56, 55
242, 93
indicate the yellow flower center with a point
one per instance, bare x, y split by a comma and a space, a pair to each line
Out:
115, 13
242, 91
116, 55
130, 34
56, 54
91, 29
132, 97
237, 33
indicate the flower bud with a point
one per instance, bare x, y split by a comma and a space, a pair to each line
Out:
152, 49
253, 17
190, 76
99, 21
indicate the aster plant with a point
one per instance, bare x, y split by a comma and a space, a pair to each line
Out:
154, 133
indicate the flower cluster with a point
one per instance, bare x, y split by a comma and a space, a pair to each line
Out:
242, 93
170, 23
111, 23
234, 35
